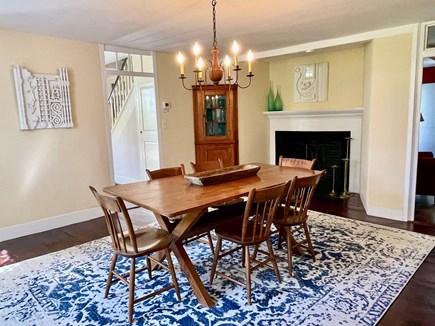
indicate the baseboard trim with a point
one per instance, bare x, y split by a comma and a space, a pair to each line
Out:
20, 230
382, 212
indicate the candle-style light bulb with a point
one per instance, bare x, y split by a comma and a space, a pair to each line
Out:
235, 51
180, 59
227, 64
200, 65
250, 58
196, 53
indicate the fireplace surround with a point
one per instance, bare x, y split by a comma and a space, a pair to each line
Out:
322, 120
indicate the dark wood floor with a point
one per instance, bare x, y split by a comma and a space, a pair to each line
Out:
414, 306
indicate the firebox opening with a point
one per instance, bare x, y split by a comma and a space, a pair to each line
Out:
329, 148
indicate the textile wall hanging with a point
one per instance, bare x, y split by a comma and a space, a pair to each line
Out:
43, 99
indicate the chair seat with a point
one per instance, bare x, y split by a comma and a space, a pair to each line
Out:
232, 231
148, 240
291, 219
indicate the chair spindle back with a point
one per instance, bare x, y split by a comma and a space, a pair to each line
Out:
207, 165
122, 234
260, 211
296, 162
299, 196
165, 172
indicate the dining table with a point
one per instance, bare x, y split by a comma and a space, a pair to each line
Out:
179, 205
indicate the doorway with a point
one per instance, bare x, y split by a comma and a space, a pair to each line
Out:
425, 176
133, 117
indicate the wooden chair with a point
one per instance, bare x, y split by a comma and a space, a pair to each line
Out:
296, 162
133, 244
171, 172
207, 165
251, 229
291, 218
166, 172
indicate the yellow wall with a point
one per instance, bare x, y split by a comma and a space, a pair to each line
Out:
45, 173
177, 139
253, 124
386, 102
346, 78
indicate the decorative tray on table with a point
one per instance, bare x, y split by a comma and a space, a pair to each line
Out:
222, 175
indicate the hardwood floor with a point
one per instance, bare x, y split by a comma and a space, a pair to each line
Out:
414, 306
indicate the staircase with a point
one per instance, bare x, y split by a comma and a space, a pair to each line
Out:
120, 90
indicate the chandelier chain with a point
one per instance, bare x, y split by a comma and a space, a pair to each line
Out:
213, 3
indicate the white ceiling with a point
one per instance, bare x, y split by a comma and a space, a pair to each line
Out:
174, 25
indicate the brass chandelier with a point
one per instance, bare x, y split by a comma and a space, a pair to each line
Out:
215, 70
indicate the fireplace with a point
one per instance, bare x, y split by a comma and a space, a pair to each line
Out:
340, 122
329, 148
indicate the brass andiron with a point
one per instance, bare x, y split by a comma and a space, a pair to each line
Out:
333, 193
345, 193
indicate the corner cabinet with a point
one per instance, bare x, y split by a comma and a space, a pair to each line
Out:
216, 124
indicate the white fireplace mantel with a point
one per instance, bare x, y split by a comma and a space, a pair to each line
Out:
323, 120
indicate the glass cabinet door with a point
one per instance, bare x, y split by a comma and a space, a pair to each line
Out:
215, 115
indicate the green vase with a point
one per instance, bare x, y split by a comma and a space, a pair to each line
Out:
277, 103
270, 98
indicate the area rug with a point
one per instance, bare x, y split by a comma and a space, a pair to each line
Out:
360, 269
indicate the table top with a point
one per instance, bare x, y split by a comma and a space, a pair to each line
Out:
174, 196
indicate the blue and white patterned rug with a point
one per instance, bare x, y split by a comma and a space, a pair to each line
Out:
360, 270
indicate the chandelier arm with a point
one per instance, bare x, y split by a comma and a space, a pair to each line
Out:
182, 81
249, 84
237, 69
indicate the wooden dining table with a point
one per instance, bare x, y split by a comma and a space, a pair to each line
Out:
172, 197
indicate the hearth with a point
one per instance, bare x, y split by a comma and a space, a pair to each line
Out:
330, 149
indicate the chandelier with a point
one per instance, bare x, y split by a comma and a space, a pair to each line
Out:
215, 70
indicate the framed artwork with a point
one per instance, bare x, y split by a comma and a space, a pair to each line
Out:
311, 83
43, 99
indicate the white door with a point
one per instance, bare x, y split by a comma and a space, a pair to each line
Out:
149, 140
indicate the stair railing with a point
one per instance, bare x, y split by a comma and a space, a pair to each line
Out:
119, 92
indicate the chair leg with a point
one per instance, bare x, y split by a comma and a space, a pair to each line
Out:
254, 256
289, 250
172, 271
149, 268
280, 236
248, 272
273, 260
131, 289
110, 276
210, 240
310, 244
215, 260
